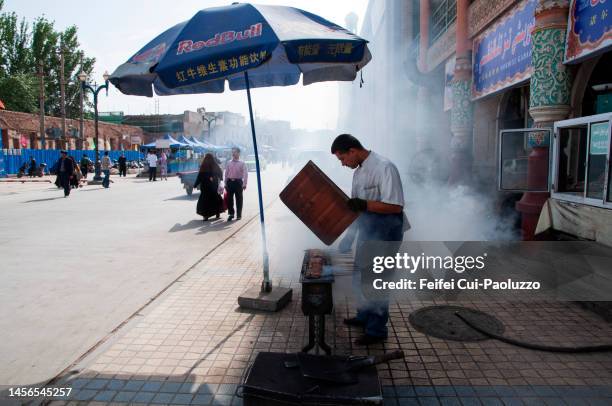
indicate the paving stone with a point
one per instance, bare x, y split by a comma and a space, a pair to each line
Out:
534, 401
405, 391
115, 384
222, 400
143, 397
85, 394
470, 401
162, 398
151, 386
491, 401
422, 391
450, 401
124, 396
133, 385
445, 391
182, 399
105, 396
429, 401
511, 401
407, 402
171, 387
96, 384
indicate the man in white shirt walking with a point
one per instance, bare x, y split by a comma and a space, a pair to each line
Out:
152, 160
236, 176
378, 196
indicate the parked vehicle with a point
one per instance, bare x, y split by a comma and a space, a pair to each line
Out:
40, 170
188, 180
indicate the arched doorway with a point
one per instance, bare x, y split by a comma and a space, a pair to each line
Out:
513, 109
597, 96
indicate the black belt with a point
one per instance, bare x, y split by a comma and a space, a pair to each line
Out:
234, 180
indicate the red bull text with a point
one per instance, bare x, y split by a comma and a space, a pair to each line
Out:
220, 38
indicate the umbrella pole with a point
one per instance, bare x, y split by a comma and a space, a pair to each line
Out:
266, 285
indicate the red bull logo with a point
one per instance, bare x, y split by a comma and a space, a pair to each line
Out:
220, 38
151, 55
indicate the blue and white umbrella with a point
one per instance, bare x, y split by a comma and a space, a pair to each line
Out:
248, 46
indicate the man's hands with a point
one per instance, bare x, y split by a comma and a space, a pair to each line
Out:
357, 204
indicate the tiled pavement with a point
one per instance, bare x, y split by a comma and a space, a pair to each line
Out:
193, 345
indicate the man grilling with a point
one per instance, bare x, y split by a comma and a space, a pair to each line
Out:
378, 196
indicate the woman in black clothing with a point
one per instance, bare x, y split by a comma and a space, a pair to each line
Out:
210, 202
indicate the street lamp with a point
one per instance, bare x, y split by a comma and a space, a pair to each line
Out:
95, 90
209, 121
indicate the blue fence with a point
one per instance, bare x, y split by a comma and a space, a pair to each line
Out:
14, 158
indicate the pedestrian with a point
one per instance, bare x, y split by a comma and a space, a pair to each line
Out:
84, 164
65, 170
163, 166
75, 178
236, 176
122, 165
106, 165
78, 175
32, 169
152, 160
210, 201
378, 196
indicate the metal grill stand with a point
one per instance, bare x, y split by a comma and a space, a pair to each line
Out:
317, 299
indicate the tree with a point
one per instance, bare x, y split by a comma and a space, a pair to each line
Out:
14, 41
23, 50
19, 92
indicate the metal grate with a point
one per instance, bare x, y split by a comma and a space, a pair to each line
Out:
442, 17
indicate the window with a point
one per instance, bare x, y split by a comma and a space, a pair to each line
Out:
582, 150
572, 160
515, 148
598, 152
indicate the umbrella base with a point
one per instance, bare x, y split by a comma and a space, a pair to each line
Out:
271, 301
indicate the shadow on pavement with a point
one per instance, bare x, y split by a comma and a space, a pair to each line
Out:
205, 226
188, 226
43, 200
183, 197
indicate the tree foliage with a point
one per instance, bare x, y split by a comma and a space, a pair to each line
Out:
25, 47
19, 92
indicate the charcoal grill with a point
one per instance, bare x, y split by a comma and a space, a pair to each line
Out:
317, 298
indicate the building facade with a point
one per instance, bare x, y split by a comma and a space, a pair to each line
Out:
22, 131
477, 69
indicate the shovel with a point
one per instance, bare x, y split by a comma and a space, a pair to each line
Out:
340, 370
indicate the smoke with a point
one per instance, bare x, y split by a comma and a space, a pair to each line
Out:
398, 113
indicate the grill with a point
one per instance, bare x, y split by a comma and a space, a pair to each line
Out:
317, 297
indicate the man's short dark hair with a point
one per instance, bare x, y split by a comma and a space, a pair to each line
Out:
344, 142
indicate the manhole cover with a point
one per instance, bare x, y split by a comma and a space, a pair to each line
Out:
442, 322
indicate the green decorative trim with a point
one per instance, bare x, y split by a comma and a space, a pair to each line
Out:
551, 81
461, 114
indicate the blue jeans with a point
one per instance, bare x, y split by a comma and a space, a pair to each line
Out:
374, 227
106, 180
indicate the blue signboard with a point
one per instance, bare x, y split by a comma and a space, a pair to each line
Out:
502, 54
589, 29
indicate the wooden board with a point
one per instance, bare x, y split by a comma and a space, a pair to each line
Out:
319, 203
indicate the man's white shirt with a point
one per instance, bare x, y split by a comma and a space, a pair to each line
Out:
379, 180
152, 160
